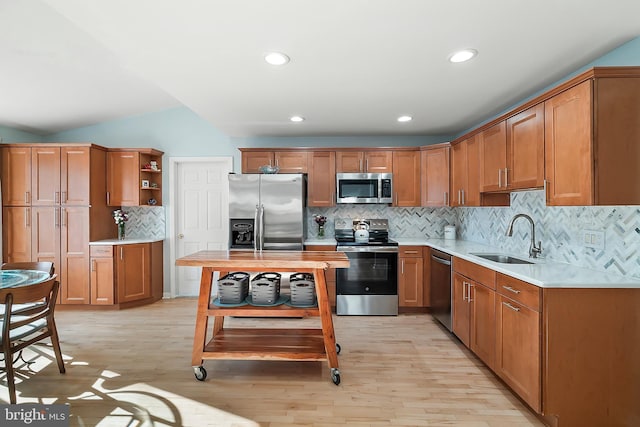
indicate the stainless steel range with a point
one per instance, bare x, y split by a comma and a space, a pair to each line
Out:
370, 285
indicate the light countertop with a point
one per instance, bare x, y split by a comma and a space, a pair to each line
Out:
543, 273
131, 241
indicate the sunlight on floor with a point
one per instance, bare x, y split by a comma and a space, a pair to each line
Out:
136, 404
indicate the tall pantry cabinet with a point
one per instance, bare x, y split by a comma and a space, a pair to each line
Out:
54, 203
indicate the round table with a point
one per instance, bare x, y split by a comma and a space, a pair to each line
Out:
16, 278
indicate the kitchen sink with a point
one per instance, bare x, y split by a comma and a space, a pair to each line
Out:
501, 258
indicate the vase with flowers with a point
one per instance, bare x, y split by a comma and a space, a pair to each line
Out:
120, 218
321, 220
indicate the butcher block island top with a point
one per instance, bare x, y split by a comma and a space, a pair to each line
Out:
264, 344
266, 260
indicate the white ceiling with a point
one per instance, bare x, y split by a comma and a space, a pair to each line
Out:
355, 64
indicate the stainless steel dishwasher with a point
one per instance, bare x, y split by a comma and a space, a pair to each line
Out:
440, 289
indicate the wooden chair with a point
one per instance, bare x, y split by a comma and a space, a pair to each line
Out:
20, 330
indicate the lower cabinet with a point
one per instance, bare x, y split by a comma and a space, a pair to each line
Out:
474, 320
410, 276
127, 274
329, 275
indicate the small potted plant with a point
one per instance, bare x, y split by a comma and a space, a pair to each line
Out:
321, 220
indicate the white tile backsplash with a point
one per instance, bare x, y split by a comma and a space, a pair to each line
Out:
559, 228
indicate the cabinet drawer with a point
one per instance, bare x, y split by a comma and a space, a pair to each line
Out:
410, 251
517, 290
105, 251
476, 272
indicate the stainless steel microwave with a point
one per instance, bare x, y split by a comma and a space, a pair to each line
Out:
364, 187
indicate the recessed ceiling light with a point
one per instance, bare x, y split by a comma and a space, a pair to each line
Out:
296, 119
403, 119
463, 55
276, 58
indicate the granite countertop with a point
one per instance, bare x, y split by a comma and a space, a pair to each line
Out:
543, 273
130, 241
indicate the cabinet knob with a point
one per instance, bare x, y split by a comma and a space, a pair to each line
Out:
180, 236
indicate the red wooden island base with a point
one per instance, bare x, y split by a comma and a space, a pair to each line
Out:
263, 344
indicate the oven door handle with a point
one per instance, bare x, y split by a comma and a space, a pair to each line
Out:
440, 260
365, 249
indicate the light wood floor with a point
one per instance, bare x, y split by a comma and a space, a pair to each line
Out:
132, 368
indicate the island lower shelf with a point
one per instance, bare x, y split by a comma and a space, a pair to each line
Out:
267, 344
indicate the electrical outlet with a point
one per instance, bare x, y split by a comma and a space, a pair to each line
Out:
593, 239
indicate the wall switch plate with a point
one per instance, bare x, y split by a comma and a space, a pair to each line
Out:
593, 239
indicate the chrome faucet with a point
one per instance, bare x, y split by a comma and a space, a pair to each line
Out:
534, 250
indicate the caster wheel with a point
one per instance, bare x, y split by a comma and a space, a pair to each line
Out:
335, 376
200, 373
338, 348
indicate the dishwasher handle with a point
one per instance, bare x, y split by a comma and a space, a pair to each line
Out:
440, 260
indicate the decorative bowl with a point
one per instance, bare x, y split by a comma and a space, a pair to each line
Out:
269, 169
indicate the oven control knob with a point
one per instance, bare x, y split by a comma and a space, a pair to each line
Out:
366, 288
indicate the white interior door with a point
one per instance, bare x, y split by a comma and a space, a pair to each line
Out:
201, 215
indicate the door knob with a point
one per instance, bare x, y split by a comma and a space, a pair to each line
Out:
180, 236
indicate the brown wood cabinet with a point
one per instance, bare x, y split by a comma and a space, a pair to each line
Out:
364, 161
329, 274
435, 175
474, 308
546, 338
465, 173
591, 154
102, 275
294, 161
406, 178
525, 149
126, 275
130, 179
410, 277
321, 181
493, 158
518, 340
63, 207
16, 176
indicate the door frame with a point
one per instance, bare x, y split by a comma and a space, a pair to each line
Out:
174, 163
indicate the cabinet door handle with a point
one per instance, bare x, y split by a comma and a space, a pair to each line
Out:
27, 197
107, 198
470, 286
462, 196
411, 252
64, 197
506, 177
446, 198
121, 254
499, 178
546, 193
396, 198
277, 165
459, 198
93, 265
366, 165
509, 288
465, 289
402, 264
63, 217
511, 306
27, 217
56, 197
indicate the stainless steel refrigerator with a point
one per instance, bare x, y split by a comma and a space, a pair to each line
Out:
266, 211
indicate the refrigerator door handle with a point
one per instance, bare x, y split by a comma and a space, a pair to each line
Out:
261, 227
256, 231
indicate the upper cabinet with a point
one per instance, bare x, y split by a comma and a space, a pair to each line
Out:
16, 176
134, 177
465, 173
493, 158
592, 155
435, 175
525, 149
321, 183
364, 161
406, 178
294, 161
